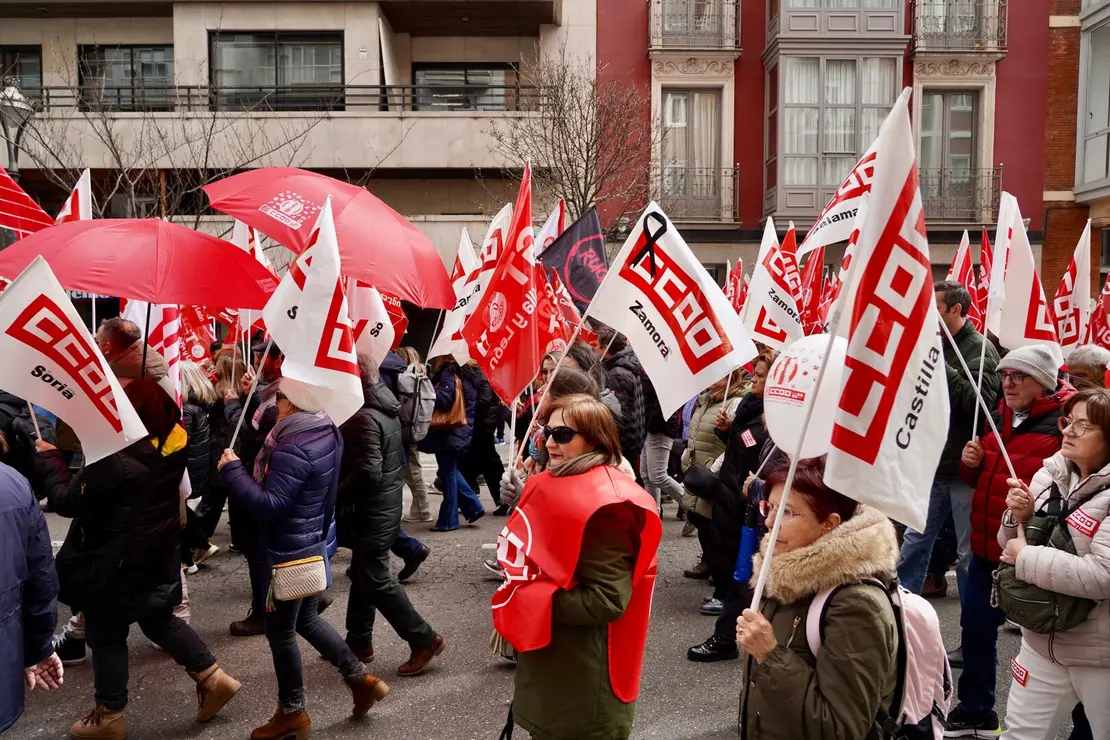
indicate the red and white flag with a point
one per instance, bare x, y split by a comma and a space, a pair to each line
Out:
516, 320
163, 334
19, 213
373, 330
742, 296
196, 336
52, 361
835, 224
470, 276
556, 224
963, 272
891, 422
1072, 307
249, 240
397, 317
1018, 313
78, 206
730, 283
309, 319
1098, 331
739, 286
986, 265
771, 313
813, 284
676, 318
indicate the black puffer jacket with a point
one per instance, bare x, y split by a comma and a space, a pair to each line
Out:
458, 439
219, 438
368, 508
654, 421
622, 376
487, 411
126, 511
194, 418
19, 431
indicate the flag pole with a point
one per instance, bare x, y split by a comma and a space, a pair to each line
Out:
979, 398
92, 321
979, 382
35, 421
512, 428
146, 341
435, 334
254, 385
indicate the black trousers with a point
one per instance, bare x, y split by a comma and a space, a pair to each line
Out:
483, 459
374, 588
738, 597
106, 636
211, 509
192, 536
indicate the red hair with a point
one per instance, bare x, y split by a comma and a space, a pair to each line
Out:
809, 482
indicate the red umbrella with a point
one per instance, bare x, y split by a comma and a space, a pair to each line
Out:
145, 259
377, 245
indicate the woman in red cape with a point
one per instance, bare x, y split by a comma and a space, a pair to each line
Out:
578, 556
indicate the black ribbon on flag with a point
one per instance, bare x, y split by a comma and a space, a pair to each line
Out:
651, 238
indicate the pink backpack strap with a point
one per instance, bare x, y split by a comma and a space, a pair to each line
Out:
815, 616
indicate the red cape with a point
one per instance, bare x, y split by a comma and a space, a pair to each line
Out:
539, 548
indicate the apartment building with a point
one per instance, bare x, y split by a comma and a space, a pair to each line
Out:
765, 105
399, 95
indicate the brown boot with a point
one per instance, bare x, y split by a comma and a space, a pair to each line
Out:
214, 689
249, 627
419, 659
282, 726
936, 587
367, 691
100, 724
699, 572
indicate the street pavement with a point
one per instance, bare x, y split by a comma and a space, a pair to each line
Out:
465, 692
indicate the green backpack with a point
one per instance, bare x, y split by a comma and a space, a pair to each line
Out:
1033, 607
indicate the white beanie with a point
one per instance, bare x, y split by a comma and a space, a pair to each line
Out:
301, 395
1036, 361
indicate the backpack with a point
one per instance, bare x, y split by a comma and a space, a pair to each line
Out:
19, 432
924, 686
418, 400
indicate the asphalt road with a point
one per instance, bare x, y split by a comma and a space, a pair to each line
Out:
466, 691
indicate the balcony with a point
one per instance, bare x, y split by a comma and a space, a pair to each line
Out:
699, 194
695, 25
959, 27
959, 196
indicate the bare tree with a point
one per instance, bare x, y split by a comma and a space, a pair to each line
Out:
590, 139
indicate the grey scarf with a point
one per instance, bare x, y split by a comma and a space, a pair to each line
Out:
578, 465
295, 423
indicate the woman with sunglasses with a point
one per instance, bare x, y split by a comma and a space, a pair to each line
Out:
1071, 666
578, 664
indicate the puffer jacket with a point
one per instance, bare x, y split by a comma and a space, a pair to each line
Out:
458, 439
792, 694
963, 405
368, 501
297, 495
1028, 445
703, 446
622, 376
128, 365
1085, 574
487, 408
654, 421
194, 418
126, 512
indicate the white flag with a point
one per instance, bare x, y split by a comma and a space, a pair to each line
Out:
835, 224
374, 333
308, 318
1022, 316
162, 336
771, 312
78, 206
247, 238
469, 278
891, 422
556, 223
1072, 307
52, 361
674, 314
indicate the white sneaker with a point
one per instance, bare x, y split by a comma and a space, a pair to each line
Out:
199, 556
191, 570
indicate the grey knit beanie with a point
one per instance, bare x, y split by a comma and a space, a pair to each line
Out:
1036, 360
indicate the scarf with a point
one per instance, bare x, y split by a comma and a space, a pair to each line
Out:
295, 423
579, 465
267, 397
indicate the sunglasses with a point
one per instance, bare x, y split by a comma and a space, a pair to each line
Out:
562, 435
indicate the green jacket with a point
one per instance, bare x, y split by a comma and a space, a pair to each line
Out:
563, 691
961, 393
792, 694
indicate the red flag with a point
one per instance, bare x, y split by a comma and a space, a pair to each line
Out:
78, 206
18, 212
1098, 331
1071, 308
812, 283
196, 335
736, 286
963, 273
396, 316
742, 295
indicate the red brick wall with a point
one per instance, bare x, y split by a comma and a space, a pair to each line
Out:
750, 111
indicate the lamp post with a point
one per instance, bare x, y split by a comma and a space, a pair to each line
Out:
15, 112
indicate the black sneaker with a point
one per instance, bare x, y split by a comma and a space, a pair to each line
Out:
414, 562
502, 510
70, 649
956, 657
713, 650
962, 723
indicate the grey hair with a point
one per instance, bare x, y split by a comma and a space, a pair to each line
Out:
1089, 355
120, 333
368, 370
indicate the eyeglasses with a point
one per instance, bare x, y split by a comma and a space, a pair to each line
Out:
1015, 378
562, 435
1077, 427
787, 513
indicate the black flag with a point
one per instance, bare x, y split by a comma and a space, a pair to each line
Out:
578, 255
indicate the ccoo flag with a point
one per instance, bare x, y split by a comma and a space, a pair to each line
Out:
771, 313
891, 422
50, 360
1072, 307
674, 314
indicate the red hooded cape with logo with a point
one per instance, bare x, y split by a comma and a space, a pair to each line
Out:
539, 549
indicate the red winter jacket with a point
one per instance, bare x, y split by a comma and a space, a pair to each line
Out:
1028, 445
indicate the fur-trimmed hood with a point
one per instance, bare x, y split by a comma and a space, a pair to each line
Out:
863, 547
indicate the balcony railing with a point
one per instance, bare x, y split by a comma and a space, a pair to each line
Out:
959, 25
961, 196
699, 193
180, 98
695, 24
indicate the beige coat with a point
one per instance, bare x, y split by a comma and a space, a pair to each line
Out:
704, 446
1086, 574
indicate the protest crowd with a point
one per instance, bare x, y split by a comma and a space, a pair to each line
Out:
834, 444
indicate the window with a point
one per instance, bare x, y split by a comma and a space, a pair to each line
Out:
126, 78
466, 87
24, 63
832, 110
692, 143
844, 4
1096, 138
279, 71
1104, 260
122, 205
948, 131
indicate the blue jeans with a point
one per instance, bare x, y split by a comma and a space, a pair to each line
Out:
947, 495
404, 546
979, 623
457, 494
